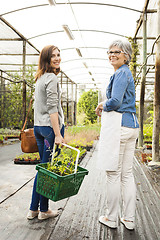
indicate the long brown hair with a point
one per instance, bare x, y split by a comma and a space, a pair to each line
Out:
44, 62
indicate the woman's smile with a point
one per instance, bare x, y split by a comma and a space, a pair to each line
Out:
116, 57
56, 58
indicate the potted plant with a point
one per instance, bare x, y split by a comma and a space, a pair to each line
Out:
27, 158
146, 157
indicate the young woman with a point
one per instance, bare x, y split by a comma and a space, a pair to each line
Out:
48, 120
119, 132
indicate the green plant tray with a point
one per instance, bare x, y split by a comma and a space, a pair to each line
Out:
56, 187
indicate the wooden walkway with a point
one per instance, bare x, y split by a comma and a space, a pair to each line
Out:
79, 217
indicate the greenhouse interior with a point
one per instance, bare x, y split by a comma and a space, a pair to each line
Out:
82, 31
83, 40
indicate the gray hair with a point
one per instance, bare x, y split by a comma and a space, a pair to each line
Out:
125, 46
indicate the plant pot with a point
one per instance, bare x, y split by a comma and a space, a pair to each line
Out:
26, 161
145, 155
34, 161
149, 146
148, 142
19, 161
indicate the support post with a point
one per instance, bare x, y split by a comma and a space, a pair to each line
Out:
72, 104
143, 80
2, 124
67, 103
24, 80
61, 87
99, 100
61, 79
156, 105
75, 106
134, 60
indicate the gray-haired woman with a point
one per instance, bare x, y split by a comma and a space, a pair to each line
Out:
119, 132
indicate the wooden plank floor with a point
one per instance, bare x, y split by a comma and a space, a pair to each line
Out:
79, 217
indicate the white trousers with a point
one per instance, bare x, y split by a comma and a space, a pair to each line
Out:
121, 182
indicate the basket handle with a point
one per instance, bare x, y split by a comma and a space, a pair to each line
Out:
78, 152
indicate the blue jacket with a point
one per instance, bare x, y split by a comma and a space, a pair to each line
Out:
121, 96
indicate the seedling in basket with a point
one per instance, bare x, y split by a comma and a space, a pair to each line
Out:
55, 186
64, 163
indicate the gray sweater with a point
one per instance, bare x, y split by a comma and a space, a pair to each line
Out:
47, 100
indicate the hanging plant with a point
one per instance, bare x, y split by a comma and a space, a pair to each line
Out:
135, 52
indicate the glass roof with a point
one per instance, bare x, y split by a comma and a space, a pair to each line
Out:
81, 29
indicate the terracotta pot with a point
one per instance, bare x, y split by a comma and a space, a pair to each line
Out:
149, 146
145, 155
148, 142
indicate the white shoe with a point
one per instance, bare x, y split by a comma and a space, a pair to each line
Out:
107, 222
48, 214
128, 224
32, 214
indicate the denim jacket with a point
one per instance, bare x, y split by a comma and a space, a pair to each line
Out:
121, 96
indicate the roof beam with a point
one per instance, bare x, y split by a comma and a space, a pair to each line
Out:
73, 3
78, 59
76, 30
11, 39
18, 54
141, 17
18, 33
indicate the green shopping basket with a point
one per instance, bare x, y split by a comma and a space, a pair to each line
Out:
56, 187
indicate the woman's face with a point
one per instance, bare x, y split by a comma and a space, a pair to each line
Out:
116, 57
56, 58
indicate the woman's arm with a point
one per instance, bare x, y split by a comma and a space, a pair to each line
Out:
55, 124
52, 106
119, 86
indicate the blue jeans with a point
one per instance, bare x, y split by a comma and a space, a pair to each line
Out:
42, 133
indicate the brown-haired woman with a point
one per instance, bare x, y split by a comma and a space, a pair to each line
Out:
48, 120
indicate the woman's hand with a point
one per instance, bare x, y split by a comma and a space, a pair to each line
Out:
59, 139
99, 109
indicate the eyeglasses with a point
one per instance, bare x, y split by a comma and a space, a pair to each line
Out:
116, 53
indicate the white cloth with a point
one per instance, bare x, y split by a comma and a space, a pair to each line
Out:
109, 142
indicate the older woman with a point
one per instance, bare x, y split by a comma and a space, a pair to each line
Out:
119, 132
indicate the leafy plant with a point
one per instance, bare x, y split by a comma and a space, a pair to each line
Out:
11, 102
28, 156
80, 143
9, 132
82, 135
150, 118
87, 104
1, 138
149, 158
147, 131
63, 162
135, 51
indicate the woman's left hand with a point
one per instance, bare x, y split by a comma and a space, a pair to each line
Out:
99, 109
59, 139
